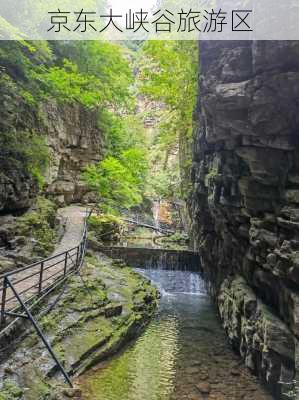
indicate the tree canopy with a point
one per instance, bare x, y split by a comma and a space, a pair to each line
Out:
168, 74
117, 81
119, 183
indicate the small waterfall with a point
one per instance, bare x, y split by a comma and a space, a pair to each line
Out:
174, 261
174, 282
180, 260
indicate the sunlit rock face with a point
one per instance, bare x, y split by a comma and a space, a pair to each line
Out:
245, 200
75, 141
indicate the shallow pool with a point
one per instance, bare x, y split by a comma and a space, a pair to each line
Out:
183, 353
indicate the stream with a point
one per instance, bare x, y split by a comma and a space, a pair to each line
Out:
182, 355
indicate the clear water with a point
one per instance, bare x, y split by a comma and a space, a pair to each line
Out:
182, 355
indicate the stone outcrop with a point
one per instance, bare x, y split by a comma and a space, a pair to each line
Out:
75, 141
245, 201
17, 190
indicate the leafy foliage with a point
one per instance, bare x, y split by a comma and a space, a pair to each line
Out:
106, 227
21, 148
168, 74
105, 77
68, 85
163, 184
89, 72
121, 132
118, 182
94, 74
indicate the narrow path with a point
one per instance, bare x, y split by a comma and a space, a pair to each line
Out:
73, 232
74, 227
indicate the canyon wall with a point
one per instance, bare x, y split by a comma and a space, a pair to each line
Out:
245, 202
74, 141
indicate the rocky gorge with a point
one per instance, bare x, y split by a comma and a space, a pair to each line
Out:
244, 204
243, 221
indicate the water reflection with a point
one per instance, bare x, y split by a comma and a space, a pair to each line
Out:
183, 354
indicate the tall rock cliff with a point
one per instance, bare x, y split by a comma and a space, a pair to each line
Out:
245, 201
74, 141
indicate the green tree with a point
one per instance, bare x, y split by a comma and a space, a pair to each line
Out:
93, 73
136, 162
118, 182
122, 132
168, 74
68, 85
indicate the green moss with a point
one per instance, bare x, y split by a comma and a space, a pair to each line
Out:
77, 327
40, 224
48, 322
90, 294
106, 227
59, 352
10, 391
211, 176
38, 389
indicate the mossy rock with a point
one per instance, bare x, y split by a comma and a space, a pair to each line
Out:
10, 391
39, 223
98, 313
107, 228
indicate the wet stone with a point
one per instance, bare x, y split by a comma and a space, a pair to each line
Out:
192, 370
204, 387
113, 310
72, 393
196, 397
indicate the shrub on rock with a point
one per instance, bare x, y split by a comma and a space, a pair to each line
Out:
106, 228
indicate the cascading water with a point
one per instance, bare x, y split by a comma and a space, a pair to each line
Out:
182, 355
173, 283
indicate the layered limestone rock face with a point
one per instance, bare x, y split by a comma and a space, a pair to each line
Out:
245, 201
74, 141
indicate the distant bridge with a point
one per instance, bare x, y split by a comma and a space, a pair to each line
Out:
148, 226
